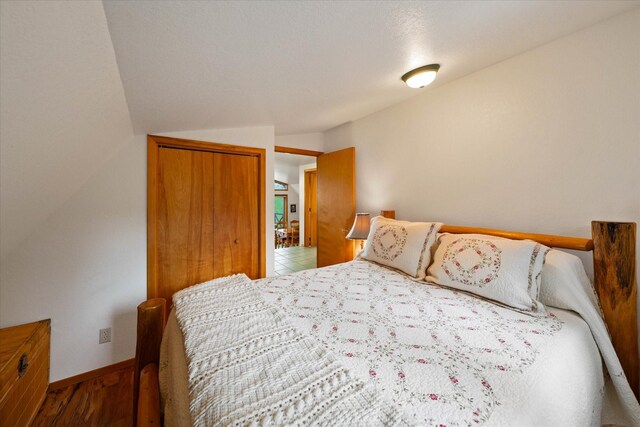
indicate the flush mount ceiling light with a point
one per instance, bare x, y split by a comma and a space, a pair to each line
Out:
421, 77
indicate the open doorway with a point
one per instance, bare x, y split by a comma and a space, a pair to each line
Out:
295, 211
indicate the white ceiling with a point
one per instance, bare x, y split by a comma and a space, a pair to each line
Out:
310, 66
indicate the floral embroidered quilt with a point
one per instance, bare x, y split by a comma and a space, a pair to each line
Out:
441, 356
446, 358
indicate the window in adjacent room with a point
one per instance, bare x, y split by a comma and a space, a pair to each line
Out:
280, 186
280, 210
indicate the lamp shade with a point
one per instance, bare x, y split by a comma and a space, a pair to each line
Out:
360, 228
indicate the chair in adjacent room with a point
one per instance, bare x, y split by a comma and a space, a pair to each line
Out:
281, 234
294, 233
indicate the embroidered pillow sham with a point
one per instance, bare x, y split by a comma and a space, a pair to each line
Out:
403, 245
503, 270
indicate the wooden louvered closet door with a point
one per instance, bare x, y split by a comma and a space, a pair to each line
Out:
204, 216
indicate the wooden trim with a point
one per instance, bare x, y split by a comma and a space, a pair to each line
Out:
56, 385
262, 175
614, 271
154, 143
152, 216
300, 151
214, 147
310, 239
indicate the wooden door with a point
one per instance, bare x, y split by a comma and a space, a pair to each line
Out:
235, 210
185, 222
310, 208
205, 213
336, 189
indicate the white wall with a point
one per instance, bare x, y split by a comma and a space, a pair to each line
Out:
307, 141
73, 194
85, 267
288, 173
294, 199
63, 109
72, 222
545, 141
285, 172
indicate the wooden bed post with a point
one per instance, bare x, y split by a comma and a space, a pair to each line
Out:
614, 270
151, 320
388, 214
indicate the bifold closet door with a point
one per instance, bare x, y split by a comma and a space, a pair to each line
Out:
208, 217
236, 215
185, 219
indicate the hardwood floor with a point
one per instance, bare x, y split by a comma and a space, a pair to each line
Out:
102, 401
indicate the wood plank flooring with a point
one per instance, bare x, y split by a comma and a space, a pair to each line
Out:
102, 401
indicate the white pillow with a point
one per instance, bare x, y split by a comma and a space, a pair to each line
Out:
402, 245
564, 280
503, 270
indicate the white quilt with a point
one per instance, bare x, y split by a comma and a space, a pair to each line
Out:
445, 357
248, 366
442, 356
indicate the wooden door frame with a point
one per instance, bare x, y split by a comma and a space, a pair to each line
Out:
154, 143
299, 151
306, 211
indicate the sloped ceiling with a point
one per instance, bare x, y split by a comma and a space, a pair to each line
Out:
62, 108
310, 66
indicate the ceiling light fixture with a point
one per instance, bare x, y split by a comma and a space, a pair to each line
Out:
421, 77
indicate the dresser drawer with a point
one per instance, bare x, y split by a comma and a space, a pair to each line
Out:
24, 371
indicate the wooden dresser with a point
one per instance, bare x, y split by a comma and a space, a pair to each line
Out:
24, 371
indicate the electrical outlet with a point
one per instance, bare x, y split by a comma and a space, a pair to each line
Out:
105, 335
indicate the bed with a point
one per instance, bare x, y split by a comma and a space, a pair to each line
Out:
435, 355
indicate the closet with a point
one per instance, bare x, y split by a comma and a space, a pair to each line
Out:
205, 214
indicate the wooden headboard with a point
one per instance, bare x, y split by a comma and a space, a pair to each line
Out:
614, 271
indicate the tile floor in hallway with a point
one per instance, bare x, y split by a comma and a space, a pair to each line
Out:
294, 258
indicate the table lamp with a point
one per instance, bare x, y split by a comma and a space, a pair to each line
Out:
360, 228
